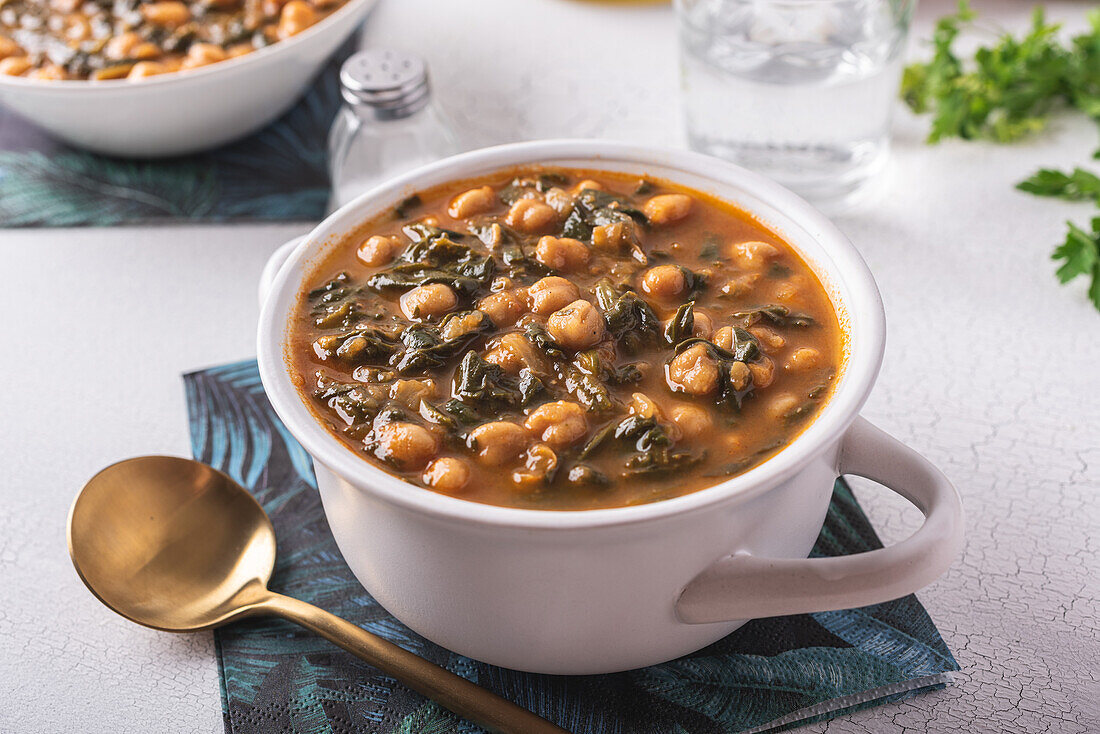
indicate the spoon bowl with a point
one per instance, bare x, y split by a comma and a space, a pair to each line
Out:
171, 543
177, 545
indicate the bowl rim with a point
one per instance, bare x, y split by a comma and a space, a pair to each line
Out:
184, 76
858, 294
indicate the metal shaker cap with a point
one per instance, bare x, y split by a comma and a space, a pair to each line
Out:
391, 84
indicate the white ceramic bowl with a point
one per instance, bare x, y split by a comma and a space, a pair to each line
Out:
188, 111
606, 590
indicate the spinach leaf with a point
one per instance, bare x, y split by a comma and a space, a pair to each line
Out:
587, 476
681, 325
745, 462
709, 250
591, 362
597, 440
542, 183
745, 348
537, 334
484, 385
465, 276
334, 303
440, 417
421, 231
593, 208
369, 345
629, 318
426, 347
407, 206
462, 412
350, 401
587, 389
778, 315
480, 383
653, 448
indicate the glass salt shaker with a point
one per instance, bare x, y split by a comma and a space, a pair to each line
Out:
387, 125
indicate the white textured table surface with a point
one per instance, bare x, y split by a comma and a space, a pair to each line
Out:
991, 369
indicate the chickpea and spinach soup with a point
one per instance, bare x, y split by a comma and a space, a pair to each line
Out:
134, 39
560, 339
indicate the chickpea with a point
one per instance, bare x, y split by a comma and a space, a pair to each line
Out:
377, 250
768, 337
577, 326
512, 352
742, 285
77, 29
461, 325
474, 201
147, 51
753, 255
692, 420
49, 71
550, 294
119, 46
295, 17
803, 358
667, 208
562, 253
539, 464
239, 49
498, 443
501, 283
202, 54
8, 47
782, 405
559, 424
529, 215
426, 301
664, 281
271, 7
588, 184
447, 474
406, 445
559, 201
724, 337
693, 371
789, 290
410, 392
167, 13
144, 69
763, 372
704, 326
641, 404
503, 308
14, 65
614, 237
740, 376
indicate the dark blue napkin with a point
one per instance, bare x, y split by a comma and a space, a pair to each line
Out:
277, 174
768, 675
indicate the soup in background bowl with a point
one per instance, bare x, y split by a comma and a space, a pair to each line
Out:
565, 339
666, 560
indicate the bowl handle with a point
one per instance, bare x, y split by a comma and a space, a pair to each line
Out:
743, 586
272, 266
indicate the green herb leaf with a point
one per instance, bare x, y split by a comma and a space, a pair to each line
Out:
1080, 185
1081, 255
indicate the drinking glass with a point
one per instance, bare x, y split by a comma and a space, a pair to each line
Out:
799, 90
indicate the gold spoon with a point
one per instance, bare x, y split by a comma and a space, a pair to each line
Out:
176, 545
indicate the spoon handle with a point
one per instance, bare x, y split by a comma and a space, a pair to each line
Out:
442, 686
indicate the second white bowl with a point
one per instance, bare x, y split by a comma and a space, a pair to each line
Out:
183, 112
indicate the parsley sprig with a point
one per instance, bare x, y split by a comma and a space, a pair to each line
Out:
1008, 91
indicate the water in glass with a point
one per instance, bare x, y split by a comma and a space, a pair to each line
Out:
800, 90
